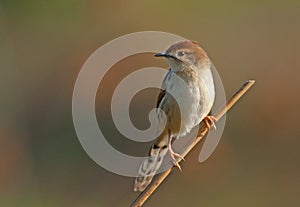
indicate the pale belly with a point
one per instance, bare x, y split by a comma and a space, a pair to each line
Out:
194, 101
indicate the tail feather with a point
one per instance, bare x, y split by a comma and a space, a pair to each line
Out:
149, 167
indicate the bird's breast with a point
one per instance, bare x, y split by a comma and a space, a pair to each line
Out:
187, 101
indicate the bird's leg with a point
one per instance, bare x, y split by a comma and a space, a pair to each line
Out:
174, 155
210, 121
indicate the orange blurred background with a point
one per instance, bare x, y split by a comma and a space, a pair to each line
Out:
43, 47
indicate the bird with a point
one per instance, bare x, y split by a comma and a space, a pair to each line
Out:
181, 107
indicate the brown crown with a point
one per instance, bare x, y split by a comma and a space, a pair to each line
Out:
189, 46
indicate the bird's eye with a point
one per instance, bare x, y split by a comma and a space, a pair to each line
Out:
180, 53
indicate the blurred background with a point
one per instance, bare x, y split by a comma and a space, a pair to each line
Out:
43, 45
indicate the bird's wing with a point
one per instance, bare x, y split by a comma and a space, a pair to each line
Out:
160, 97
163, 92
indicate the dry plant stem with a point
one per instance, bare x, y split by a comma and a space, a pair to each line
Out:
203, 129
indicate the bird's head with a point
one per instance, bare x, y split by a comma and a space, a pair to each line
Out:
186, 54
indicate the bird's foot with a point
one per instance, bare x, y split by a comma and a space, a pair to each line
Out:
210, 121
175, 157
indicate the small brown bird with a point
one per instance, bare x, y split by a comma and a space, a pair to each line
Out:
184, 105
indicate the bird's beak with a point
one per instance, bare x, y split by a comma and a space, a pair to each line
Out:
163, 55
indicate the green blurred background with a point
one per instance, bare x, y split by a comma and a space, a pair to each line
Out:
43, 45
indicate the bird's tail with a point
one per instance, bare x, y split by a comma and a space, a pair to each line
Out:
150, 166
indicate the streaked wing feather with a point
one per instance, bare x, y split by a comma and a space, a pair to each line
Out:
161, 95
162, 92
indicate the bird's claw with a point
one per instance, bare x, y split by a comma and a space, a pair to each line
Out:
175, 155
210, 121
